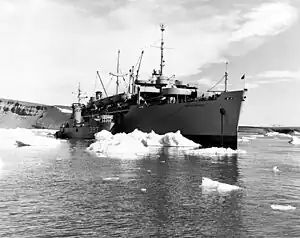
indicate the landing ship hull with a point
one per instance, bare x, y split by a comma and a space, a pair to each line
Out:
210, 123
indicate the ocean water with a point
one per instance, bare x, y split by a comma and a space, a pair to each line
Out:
58, 188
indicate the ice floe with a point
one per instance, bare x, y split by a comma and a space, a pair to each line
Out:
21, 144
44, 132
58, 158
136, 143
111, 179
19, 137
277, 134
119, 145
275, 169
244, 139
295, 140
256, 136
273, 133
282, 207
248, 138
211, 185
214, 151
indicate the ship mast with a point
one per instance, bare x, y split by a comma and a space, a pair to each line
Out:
162, 28
79, 93
118, 64
131, 80
226, 76
118, 74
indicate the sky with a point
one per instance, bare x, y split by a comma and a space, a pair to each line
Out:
48, 46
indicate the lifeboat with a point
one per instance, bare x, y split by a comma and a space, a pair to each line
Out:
175, 91
149, 90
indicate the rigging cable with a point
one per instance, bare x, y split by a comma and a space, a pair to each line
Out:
109, 82
216, 84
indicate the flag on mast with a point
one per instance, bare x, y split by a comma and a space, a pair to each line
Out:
244, 78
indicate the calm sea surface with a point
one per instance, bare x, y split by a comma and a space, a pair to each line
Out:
66, 192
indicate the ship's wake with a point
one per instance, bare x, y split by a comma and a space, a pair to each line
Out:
138, 144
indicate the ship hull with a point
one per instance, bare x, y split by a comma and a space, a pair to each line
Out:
83, 132
210, 122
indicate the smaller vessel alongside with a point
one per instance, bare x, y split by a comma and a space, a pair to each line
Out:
84, 122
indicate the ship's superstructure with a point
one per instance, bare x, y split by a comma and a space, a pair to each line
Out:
85, 120
163, 104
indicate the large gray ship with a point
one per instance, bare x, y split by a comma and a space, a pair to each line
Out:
163, 104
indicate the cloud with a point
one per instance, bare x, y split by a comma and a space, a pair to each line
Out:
205, 81
272, 77
274, 81
280, 74
266, 20
252, 85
